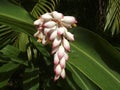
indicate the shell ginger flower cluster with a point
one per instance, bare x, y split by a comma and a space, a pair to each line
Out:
53, 27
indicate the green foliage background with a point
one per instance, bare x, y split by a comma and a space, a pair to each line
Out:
94, 62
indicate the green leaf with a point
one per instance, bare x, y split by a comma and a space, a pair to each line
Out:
11, 65
40, 47
81, 81
31, 79
22, 42
16, 17
14, 54
7, 36
43, 6
6, 71
95, 58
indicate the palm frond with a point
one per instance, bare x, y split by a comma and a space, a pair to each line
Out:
7, 36
43, 6
113, 17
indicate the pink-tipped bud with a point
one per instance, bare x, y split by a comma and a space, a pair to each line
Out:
46, 30
58, 69
56, 77
44, 41
63, 73
66, 44
37, 33
66, 56
49, 24
69, 20
69, 36
56, 59
38, 22
66, 25
40, 28
46, 16
61, 30
61, 51
53, 35
57, 15
62, 62
56, 42
40, 35
54, 50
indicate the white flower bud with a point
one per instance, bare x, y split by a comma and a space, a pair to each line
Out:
66, 25
58, 69
49, 24
61, 51
66, 56
46, 30
44, 41
66, 44
37, 33
53, 35
61, 30
40, 35
56, 77
46, 16
56, 59
69, 20
62, 62
56, 42
54, 50
57, 15
38, 21
63, 73
69, 36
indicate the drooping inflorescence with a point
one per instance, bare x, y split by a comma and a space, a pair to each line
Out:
53, 27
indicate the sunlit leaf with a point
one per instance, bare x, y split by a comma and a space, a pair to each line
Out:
90, 55
113, 17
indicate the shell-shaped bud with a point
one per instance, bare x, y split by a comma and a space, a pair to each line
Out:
56, 77
41, 35
66, 56
50, 24
66, 25
69, 19
46, 16
69, 36
56, 59
62, 62
54, 50
46, 30
61, 51
38, 21
40, 28
44, 41
58, 69
63, 73
56, 42
57, 15
61, 30
53, 35
39, 40
66, 44
37, 33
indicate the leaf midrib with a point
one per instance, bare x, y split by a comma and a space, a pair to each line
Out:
79, 77
96, 62
14, 18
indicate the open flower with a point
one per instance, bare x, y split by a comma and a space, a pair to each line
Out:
53, 27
